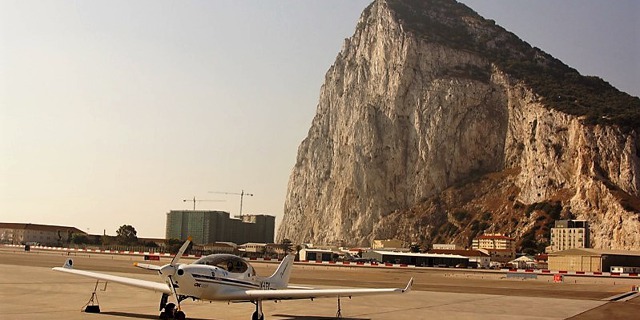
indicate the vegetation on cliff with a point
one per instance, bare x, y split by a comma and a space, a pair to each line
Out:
558, 85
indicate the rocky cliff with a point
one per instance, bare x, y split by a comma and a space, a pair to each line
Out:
435, 124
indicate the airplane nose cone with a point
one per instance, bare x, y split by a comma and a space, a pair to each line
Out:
168, 270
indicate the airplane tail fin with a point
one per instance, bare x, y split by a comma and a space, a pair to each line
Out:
280, 278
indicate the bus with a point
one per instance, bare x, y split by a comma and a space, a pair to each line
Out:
625, 269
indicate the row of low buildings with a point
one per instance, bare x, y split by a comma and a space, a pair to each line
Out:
594, 260
30, 233
568, 250
565, 235
204, 227
391, 251
584, 259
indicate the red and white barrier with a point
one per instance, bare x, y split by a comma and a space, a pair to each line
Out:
135, 253
573, 273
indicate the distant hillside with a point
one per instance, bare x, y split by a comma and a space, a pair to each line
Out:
435, 125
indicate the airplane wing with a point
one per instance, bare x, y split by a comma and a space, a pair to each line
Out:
287, 294
149, 285
300, 287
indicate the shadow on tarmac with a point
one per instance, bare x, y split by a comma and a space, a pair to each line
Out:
295, 317
137, 315
284, 316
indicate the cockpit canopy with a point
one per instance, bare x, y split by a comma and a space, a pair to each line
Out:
228, 262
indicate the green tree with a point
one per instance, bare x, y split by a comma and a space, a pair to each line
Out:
79, 238
174, 245
127, 235
149, 244
107, 240
287, 245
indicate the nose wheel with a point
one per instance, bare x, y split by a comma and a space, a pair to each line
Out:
257, 315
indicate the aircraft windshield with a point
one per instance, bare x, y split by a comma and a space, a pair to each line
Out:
227, 262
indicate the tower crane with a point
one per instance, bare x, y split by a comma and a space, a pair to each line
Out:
194, 200
241, 194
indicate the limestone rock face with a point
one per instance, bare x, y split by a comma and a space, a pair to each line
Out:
405, 116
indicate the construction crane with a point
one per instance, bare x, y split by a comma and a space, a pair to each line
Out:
241, 194
199, 200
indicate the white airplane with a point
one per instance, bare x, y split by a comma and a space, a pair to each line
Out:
223, 277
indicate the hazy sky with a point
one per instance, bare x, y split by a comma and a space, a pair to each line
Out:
113, 112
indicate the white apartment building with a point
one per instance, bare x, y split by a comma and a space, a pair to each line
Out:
499, 247
494, 241
569, 234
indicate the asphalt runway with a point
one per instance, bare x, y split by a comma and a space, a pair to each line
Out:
29, 289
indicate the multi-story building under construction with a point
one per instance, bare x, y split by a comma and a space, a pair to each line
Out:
206, 226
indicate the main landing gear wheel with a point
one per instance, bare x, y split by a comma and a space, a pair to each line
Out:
169, 312
180, 315
256, 317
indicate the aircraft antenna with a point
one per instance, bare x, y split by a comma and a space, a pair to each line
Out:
194, 200
241, 194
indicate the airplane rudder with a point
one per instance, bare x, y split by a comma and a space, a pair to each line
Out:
282, 274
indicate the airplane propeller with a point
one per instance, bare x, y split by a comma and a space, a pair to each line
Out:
170, 269
177, 257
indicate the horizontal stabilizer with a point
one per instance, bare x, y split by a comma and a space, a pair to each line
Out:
409, 285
